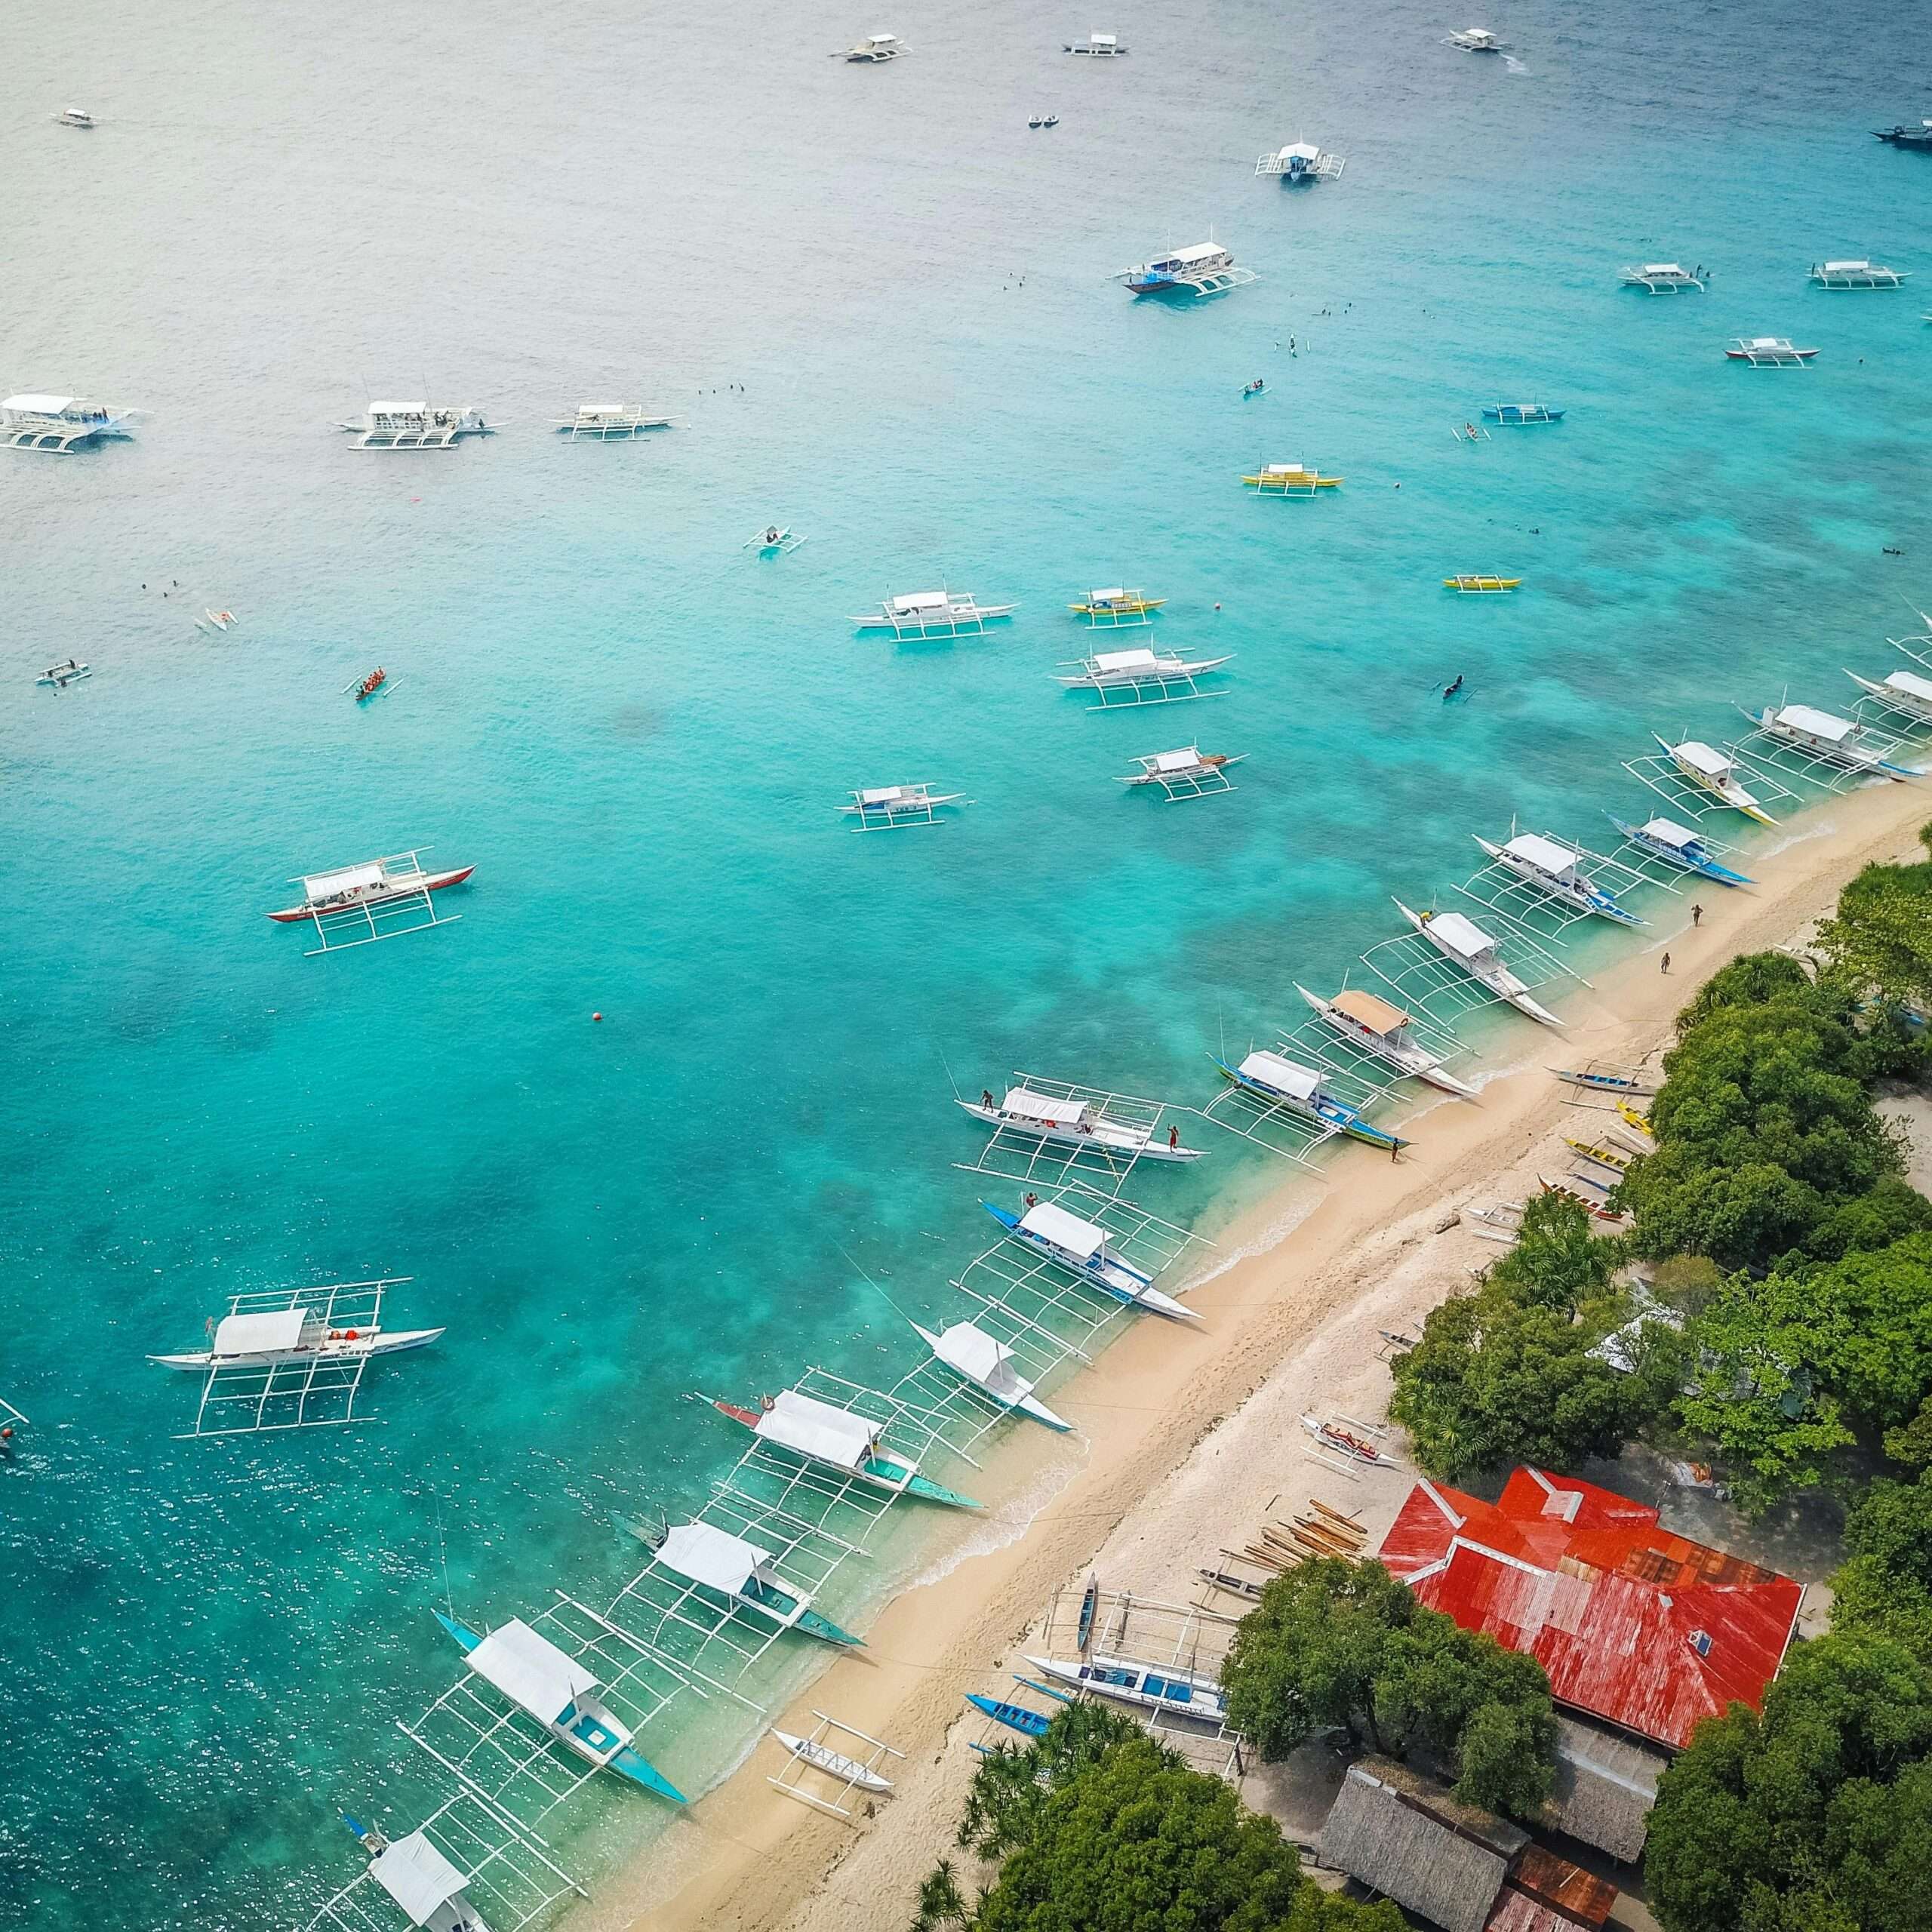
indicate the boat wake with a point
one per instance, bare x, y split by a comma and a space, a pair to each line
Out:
1511, 65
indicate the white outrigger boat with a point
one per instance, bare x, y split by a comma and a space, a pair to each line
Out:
74, 117
432, 1893
553, 1687
1557, 872
1286, 1084
1080, 1123
933, 613
289, 1337
1856, 275
61, 675
1383, 1030
775, 539
874, 48
1473, 40
1678, 846
1831, 740
1905, 692
834, 1763
1150, 1686
1299, 162
608, 422
1464, 943
416, 425
1205, 268
1662, 278
1121, 670
837, 1438
60, 424
1716, 772
1768, 352
1101, 46
1085, 1249
879, 807
1188, 773
976, 1357
367, 886
741, 1573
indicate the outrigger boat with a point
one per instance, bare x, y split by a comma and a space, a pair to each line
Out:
1117, 670
1485, 585
1299, 162
221, 619
932, 613
1148, 1686
432, 1893
739, 1572
875, 47
1620, 1085
1205, 269
1075, 1123
834, 1763
1557, 872
61, 675
1564, 1191
1662, 278
1677, 845
1856, 275
1768, 352
1115, 604
1904, 691
60, 424
1090, 1608
897, 804
364, 885
1346, 1442
1900, 136
416, 425
1612, 1158
1289, 479
75, 117
1102, 46
367, 688
1016, 1717
1464, 943
1831, 740
976, 1357
1716, 772
773, 540
1295, 1089
1521, 415
290, 1337
608, 422
1187, 773
1377, 1028
836, 1438
1084, 1249
561, 1694
1473, 40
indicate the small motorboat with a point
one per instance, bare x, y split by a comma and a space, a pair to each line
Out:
1161, 1687
1016, 1717
1623, 1085
1387, 1032
429, 1889
1861, 274
1035, 121
834, 1763
1051, 121
741, 1573
1086, 1250
1473, 40
775, 539
1557, 871
1831, 740
61, 675
1716, 772
364, 885
1466, 945
837, 1438
1900, 136
986, 1362
1520, 415
221, 620
75, 117
291, 1337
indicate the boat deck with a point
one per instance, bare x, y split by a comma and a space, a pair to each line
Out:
1012, 1153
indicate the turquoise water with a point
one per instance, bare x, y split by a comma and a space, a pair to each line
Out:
636, 730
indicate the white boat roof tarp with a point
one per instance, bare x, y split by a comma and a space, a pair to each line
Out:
350, 879
1037, 1106
1177, 761
707, 1555
1289, 470
881, 795
1836, 268
1112, 596
1462, 936
398, 409
604, 409
1544, 853
1819, 724
1307, 150
921, 600
1080, 1238
1377, 1015
251, 1334
1283, 1076
1124, 660
1668, 832
417, 1876
1662, 267
1701, 757
39, 405
972, 1351
1103, 40
818, 1428
1201, 251
530, 1671
1912, 684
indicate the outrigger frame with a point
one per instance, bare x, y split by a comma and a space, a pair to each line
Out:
920, 807
790, 1780
1013, 1154
1199, 781
1499, 888
1274, 1125
1425, 982
1131, 693
1659, 772
409, 910
1807, 767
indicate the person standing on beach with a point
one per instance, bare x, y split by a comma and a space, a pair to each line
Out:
1697, 915
1666, 962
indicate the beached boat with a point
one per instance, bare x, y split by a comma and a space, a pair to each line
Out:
1148, 1686
1557, 872
1385, 1030
1079, 1124
1904, 691
1344, 1441
1591, 1206
879, 806
61, 675
1298, 1090
1299, 162
1614, 1158
1205, 269
1121, 670
1090, 1606
976, 1357
875, 47
1662, 278
773, 540
740, 1572
367, 886
286, 1338
608, 422
1621, 1085
834, 1763
416, 425
1112, 605
1901, 134
1016, 1717
1101, 46
1677, 845
1478, 585
1768, 352
60, 424
1856, 275
1085, 1250
1716, 772
1463, 943
1829, 739
837, 1438
553, 1687
1289, 479
1475, 40
932, 613
1521, 415
75, 117
432, 1893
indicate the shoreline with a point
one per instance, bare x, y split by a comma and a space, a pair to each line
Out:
1186, 1428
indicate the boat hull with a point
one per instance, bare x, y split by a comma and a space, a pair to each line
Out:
1015, 1717
368, 1348
834, 1763
1114, 1277
428, 882
1209, 1708
1106, 1137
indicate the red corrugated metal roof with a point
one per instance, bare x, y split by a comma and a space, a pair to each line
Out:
1649, 1630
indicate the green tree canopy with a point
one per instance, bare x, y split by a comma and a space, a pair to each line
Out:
1884, 1586
1881, 937
1557, 1262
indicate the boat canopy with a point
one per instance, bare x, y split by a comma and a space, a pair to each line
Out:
882, 795
1185, 761
1112, 596
1287, 469
253, 1334
417, 1876
39, 405
350, 879
1113, 40
1845, 268
1912, 684
1124, 660
921, 600
973, 1351
1819, 724
1703, 759
1545, 854
1081, 1239
1302, 150
1663, 268
820, 1429
1201, 251
707, 1555
1024, 1101
1668, 832
1461, 936
1271, 1070
397, 408
1377, 1015
531, 1671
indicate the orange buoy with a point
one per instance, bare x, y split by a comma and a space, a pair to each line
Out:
597, 1016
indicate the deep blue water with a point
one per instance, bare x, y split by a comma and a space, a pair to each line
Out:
636, 730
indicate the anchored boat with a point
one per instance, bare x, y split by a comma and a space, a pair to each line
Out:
1289, 479
1298, 1090
75, 117
1901, 135
976, 1357
416, 425
431, 1892
61, 675
740, 1572
933, 613
1662, 278
1557, 872
288, 1337
1102, 46
1475, 40
773, 540
836, 1438
609, 422
1205, 269
879, 806
1117, 605
1383, 1030
1079, 1123
1299, 162
1187, 773
1085, 1250
1831, 740
367, 886
1116, 671
1716, 773
1904, 691
1521, 415
1480, 585
1148, 1686
1677, 845
60, 424
875, 47
1768, 352
1856, 275
1464, 944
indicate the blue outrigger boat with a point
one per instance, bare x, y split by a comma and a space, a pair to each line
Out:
1518, 415
1557, 872
1298, 1090
1084, 1249
1677, 845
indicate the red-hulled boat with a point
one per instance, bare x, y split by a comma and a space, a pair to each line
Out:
379, 881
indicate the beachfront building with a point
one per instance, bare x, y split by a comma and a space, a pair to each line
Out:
1404, 1836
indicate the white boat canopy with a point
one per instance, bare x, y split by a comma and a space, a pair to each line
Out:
1184, 760
1112, 596
1201, 251
1912, 684
1668, 832
1664, 268
1080, 1238
1462, 937
820, 1429
350, 879
973, 1351
1023, 1101
530, 1671
417, 1876
1283, 1076
255, 1334
39, 405
1846, 268
1545, 854
707, 1555
1365, 1010
921, 600
882, 794
1123, 660
1701, 757
398, 409
1307, 151
1819, 724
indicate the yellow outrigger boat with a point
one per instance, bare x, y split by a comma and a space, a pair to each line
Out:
1482, 582
1641, 1122
1595, 1150
1117, 604
1291, 479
